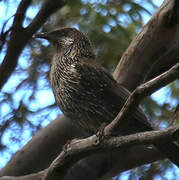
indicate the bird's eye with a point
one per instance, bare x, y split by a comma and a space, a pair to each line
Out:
62, 33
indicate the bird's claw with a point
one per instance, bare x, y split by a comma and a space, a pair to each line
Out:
66, 145
100, 134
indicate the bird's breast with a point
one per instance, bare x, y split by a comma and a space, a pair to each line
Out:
65, 82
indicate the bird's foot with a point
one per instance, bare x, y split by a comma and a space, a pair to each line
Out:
66, 145
100, 134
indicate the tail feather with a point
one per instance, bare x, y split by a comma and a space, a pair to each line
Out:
170, 150
139, 123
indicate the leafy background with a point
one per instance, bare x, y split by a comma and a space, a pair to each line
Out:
26, 101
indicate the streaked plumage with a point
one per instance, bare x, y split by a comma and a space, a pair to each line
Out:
86, 92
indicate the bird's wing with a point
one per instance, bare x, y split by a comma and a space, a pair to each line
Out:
114, 94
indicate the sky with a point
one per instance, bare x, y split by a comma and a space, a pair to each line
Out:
8, 12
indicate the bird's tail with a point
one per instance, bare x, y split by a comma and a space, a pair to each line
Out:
139, 123
170, 150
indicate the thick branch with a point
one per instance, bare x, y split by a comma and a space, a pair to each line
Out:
157, 37
35, 151
35, 176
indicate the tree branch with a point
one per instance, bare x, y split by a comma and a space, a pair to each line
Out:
84, 147
157, 37
48, 7
20, 36
34, 176
142, 91
34, 151
20, 13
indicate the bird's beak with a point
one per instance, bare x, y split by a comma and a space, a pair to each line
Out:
43, 35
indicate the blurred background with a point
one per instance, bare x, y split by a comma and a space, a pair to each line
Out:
26, 100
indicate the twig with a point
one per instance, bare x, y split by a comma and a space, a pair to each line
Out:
142, 91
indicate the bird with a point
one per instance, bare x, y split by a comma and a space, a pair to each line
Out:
87, 93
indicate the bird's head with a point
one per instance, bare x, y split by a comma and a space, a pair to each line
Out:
67, 38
